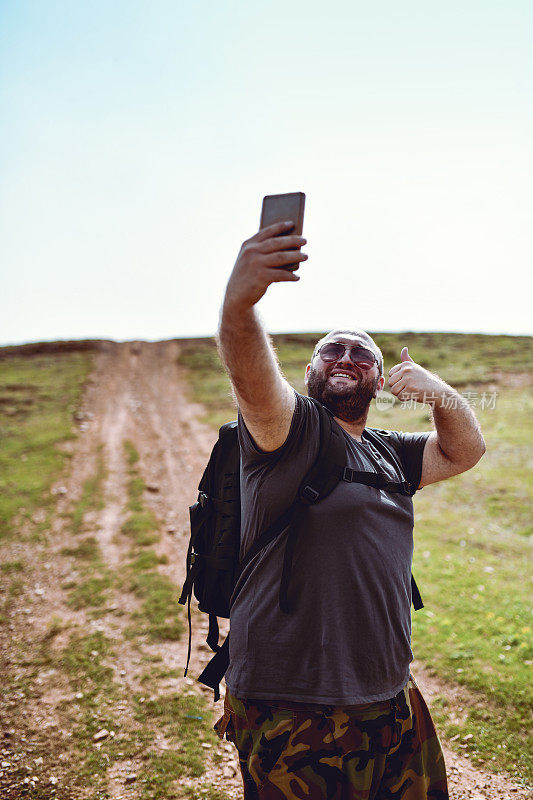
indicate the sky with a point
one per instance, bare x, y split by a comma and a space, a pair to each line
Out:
138, 139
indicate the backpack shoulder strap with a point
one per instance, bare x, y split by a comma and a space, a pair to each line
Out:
326, 470
319, 481
380, 443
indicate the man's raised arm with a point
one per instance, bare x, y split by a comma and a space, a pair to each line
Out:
265, 399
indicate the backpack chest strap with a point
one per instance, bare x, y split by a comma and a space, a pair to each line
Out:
376, 479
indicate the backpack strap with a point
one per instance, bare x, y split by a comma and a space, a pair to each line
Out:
382, 446
216, 669
320, 481
407, 488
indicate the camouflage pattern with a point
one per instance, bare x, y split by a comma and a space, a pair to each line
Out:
379, 751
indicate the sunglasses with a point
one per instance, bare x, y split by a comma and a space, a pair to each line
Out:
360, 356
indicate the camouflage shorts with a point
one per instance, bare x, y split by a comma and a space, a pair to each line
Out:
380, 751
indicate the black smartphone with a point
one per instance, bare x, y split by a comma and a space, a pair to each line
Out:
281, 207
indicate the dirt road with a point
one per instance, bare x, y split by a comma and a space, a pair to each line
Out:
136, 393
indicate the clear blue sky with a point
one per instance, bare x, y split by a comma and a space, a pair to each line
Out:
138, 139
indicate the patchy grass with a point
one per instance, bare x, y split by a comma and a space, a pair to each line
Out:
92, 495
142, 527
160, 614
86, 550
181, 718
90, 592
38, 397
471, 536
12, 566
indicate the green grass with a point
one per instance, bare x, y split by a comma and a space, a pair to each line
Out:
92, 495
86, 550
38, 397
181, 718
160, 614
471, 534
90, 592
12, 566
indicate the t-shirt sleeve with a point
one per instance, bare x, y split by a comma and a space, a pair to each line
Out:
304, 435
410, 449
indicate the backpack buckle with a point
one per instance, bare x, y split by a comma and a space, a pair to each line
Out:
347, 474
203, 499
310, 494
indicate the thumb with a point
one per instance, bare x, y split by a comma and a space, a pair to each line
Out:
404, 355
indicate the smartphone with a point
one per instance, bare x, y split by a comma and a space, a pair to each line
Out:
281, 207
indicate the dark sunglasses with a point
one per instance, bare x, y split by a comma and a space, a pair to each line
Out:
360, 356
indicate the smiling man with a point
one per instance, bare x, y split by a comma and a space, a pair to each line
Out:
320, 702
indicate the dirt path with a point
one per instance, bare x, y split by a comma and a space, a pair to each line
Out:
136, 392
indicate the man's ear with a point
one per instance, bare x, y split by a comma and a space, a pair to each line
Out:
307, 369
379, 387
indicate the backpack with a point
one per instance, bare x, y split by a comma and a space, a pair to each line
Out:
213, 562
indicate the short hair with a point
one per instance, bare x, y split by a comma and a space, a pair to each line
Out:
355, 332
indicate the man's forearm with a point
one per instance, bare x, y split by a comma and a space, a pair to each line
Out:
458, 431
247, 353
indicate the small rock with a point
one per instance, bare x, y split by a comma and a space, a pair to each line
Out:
131, 778
53, 780
101, 734
152, 487
206, 745
468, 736
38, 761
229, 772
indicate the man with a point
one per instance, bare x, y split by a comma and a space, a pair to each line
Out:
319, 701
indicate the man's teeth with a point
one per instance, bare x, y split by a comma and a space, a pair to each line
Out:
341, 375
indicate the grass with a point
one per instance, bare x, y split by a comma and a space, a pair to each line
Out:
471, 536
92, 495
160, 614
181, 718
38, 397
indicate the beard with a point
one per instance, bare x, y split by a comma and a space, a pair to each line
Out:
349, 403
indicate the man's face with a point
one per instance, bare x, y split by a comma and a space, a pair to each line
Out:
340, 385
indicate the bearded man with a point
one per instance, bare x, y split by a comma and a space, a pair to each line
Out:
320, 702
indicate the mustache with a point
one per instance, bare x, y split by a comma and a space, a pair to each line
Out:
349, 406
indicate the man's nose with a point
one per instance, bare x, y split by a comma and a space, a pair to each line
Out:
345, 358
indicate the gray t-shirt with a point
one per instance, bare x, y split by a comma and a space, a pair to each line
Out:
347, 638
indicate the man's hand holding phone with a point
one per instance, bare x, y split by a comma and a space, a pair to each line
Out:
271, 256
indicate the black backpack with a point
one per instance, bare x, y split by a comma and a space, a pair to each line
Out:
213, 564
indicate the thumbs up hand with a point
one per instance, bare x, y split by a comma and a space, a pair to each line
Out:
409, 381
